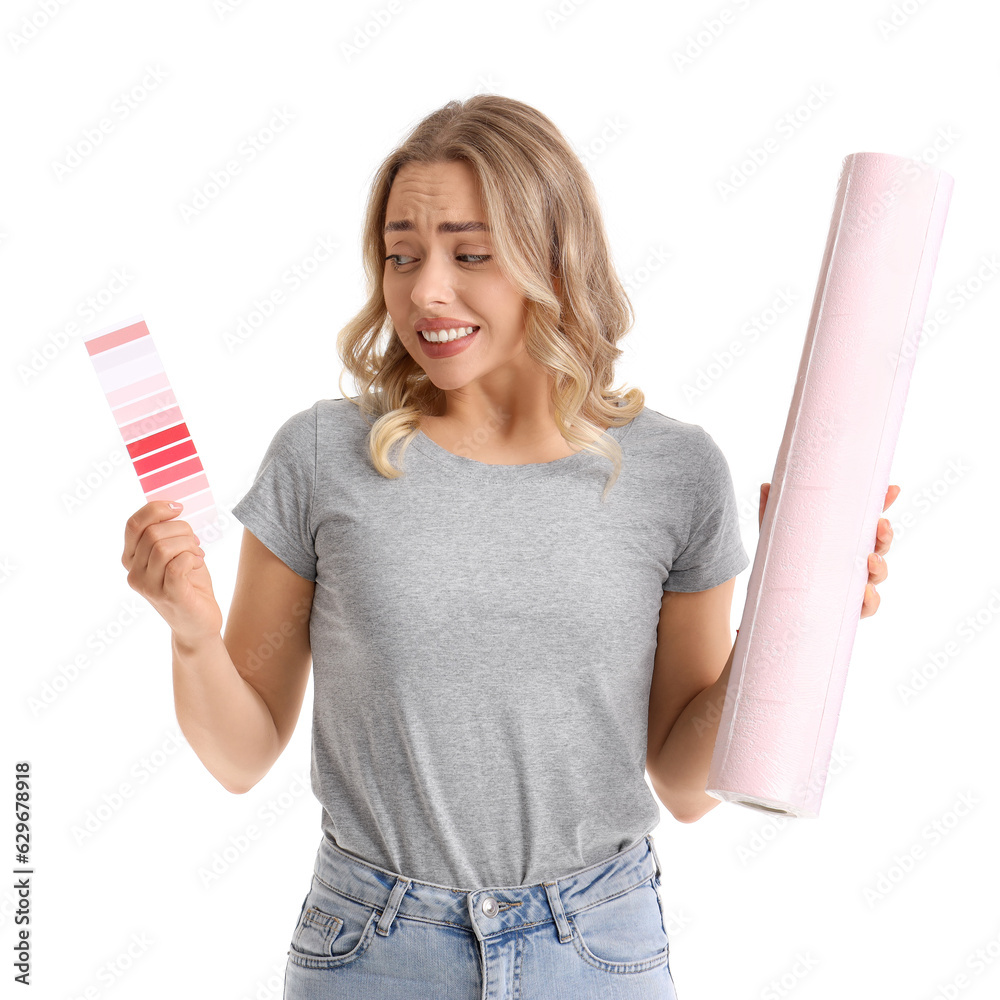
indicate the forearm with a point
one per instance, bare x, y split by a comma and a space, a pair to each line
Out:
227, 723
681, 771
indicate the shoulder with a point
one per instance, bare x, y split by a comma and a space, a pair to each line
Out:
685, 449
339, 419
298, 431
342, 430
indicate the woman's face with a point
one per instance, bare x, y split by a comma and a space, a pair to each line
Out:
448, 275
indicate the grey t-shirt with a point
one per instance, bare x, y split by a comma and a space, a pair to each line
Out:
483, 636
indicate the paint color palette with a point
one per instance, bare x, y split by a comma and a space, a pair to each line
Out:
150, 421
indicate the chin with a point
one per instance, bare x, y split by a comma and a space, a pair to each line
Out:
446, 385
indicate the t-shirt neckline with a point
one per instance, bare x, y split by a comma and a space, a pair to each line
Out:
473, 467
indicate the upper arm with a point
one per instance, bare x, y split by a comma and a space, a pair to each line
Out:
267, 632
693, 642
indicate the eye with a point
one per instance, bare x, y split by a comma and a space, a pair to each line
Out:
474, 258
393, 257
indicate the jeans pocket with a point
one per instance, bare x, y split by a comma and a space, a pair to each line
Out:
332, 929
623, 934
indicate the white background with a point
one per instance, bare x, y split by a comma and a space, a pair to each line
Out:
759, 907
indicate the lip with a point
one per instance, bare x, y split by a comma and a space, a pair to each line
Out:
446, 350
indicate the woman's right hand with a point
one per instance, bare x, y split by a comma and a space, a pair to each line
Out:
166, 565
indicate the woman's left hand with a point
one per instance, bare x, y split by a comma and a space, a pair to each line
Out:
877, 569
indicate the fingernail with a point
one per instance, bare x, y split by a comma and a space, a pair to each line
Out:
174, 506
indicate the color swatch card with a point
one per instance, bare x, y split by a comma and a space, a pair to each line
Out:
150, 421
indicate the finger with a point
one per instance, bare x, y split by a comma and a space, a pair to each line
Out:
166, 550
154, 533
883, 536
878, 568
150, 513
174, 571
765, 489
890, 496
871, 601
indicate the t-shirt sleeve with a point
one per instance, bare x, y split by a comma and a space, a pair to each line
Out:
278, 506
714, 551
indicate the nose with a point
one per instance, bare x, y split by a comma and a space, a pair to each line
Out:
434, 281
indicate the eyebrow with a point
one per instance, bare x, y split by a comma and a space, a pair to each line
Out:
406, 225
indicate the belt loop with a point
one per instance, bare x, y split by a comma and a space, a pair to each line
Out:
656, 858
395, 898
558, 913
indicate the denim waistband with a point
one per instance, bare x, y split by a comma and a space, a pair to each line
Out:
493, 909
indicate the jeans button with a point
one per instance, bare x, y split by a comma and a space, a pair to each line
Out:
490, 907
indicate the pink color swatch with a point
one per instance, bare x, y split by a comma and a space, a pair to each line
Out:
807, 584
150, 421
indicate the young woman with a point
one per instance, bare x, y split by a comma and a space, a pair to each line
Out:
504, 637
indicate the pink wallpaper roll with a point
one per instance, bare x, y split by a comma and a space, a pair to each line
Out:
810, 570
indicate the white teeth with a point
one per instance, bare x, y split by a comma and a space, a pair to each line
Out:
440, 336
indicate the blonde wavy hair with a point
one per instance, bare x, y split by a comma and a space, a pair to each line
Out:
545, 222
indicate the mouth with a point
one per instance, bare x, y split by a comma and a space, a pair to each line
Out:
446, 336
458, 343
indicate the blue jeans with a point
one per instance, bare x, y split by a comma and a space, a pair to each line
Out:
365, 933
